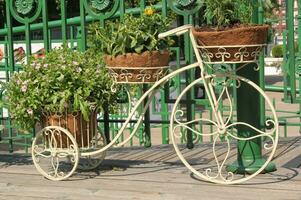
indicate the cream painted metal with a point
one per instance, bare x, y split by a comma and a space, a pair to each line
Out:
223, 127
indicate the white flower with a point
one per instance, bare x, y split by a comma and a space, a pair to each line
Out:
24, 88
45, 65
33, 64
75, 63
29, 111
79, 69
38, 66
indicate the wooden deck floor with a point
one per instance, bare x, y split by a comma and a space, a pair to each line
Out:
154, 174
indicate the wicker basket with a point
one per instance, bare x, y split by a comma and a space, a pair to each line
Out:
82, 131
239, 44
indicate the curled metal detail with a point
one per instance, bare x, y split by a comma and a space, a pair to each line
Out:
186, 3
24, 6
138, 75
230, 54
101, 5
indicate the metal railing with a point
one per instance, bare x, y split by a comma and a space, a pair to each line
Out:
29, 26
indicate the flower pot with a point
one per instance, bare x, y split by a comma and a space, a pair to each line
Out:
82, 131
1, 54
237, 44
149, 66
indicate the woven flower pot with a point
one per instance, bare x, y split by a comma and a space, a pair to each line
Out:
149, 66
238, 44
82, 131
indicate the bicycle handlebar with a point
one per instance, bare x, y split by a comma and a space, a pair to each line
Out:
177, 31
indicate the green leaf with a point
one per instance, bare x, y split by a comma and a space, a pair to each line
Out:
139, 48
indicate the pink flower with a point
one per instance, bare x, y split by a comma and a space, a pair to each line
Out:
24, 88
29, 111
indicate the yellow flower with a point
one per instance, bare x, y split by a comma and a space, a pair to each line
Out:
149, 11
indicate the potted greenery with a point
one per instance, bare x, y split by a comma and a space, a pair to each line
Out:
131, 47
230, 36
66, 88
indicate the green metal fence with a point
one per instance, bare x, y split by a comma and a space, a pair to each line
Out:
30, 25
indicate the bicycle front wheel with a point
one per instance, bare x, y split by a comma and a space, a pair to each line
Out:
232, 149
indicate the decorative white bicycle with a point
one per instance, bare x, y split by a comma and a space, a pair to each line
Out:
56, 152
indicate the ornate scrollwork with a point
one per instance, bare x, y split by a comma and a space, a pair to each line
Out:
138, 75
185, 7
230, 54
241, 54
101, 9
25, 11
52, 148
24, 6
100, 5
186, 3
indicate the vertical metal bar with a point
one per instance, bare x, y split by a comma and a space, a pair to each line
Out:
164, 8
147, 128
28, 40
285, 128
299, 58
11, 65
9, 27
72, 37
106, 118
64, 21
142, 5
83, 42
49, 38
122, 8
291, 47
285, 65
45, 26
164, 117
188, 75
261, 70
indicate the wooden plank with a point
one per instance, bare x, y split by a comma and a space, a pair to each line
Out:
158, 175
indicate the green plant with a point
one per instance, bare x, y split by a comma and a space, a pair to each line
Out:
64, 80
131, 34
229, 12
277, 51
226, 12
134, 3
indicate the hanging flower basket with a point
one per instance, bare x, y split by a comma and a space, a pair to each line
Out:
147, 67
240, 44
